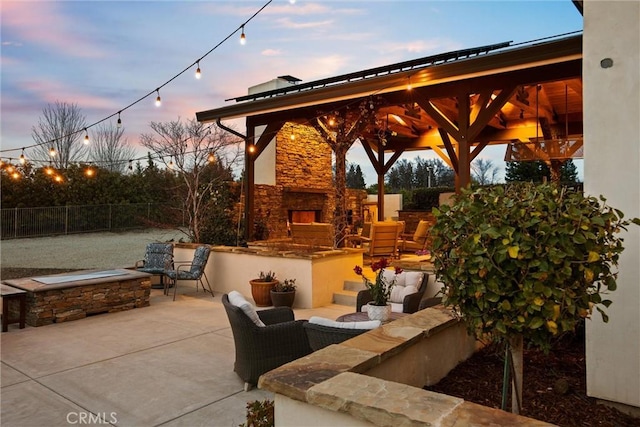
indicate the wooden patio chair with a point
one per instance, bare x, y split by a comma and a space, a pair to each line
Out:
383, 240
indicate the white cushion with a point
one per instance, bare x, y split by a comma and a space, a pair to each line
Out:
238, 300
396, 294
370, 324
413, 278
390, 273
397, 307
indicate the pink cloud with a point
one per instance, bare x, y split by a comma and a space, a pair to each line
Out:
43, 23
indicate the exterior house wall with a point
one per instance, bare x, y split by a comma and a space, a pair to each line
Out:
612, 169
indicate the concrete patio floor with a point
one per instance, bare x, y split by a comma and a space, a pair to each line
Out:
170, 364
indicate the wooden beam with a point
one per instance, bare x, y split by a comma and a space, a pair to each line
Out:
453, 157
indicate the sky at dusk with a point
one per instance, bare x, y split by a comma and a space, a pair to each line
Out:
104, 55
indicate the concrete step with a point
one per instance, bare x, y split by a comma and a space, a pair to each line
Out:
353, 285
347, 298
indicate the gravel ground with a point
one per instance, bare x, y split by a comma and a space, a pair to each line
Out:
83, 251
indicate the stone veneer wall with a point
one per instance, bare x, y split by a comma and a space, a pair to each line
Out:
304, 181
61, 305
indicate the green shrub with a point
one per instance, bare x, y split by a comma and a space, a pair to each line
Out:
526, 260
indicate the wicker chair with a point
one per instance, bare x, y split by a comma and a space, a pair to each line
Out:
321, 336
260, 349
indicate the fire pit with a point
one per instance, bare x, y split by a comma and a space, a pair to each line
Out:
71, 296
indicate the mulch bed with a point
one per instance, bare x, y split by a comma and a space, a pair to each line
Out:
546, 377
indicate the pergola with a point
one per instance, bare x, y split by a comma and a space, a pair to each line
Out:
526, 95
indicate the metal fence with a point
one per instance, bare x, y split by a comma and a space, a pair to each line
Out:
47, 221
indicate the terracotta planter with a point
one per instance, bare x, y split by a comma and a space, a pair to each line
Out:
379, 312
261, 291
283, 299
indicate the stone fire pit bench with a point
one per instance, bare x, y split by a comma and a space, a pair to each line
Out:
71, 296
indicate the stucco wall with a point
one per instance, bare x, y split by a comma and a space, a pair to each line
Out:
612, 168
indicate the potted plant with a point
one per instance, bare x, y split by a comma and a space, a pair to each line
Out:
261, 288
380, 289
283, 293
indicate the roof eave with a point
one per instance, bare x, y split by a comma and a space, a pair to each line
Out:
556, 51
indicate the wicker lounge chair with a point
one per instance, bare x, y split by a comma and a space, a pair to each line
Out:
321, 336
410, 303
260, 349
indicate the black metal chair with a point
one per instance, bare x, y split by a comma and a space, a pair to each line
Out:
158, 259
260, 349
193, 270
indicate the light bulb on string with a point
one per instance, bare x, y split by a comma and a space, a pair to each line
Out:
243, 38
89, 171
198, 73
10, 168
15, 174
52, 152
158, 100
23, 159
119, 123
211, 158
49, 169
86, 137
170, 165
58, 178
130, 165
252, 148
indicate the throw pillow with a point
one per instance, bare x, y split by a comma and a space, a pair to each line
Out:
413, 278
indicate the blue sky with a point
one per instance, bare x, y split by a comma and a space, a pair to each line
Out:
103, 55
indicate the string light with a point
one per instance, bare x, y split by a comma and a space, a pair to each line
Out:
15, 174
58, 178
130, 165
52, 152
198, 74
89, 171
23, 160
252, 148
158, 100
170, 165
86, 137
49, 169
243, 38
211, 158
10, 168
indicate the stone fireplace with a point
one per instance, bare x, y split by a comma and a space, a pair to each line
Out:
300, 189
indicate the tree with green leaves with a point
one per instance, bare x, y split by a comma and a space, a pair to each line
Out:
355, 178
526, 262
538, 172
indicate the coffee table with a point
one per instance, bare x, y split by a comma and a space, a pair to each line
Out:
363, 317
